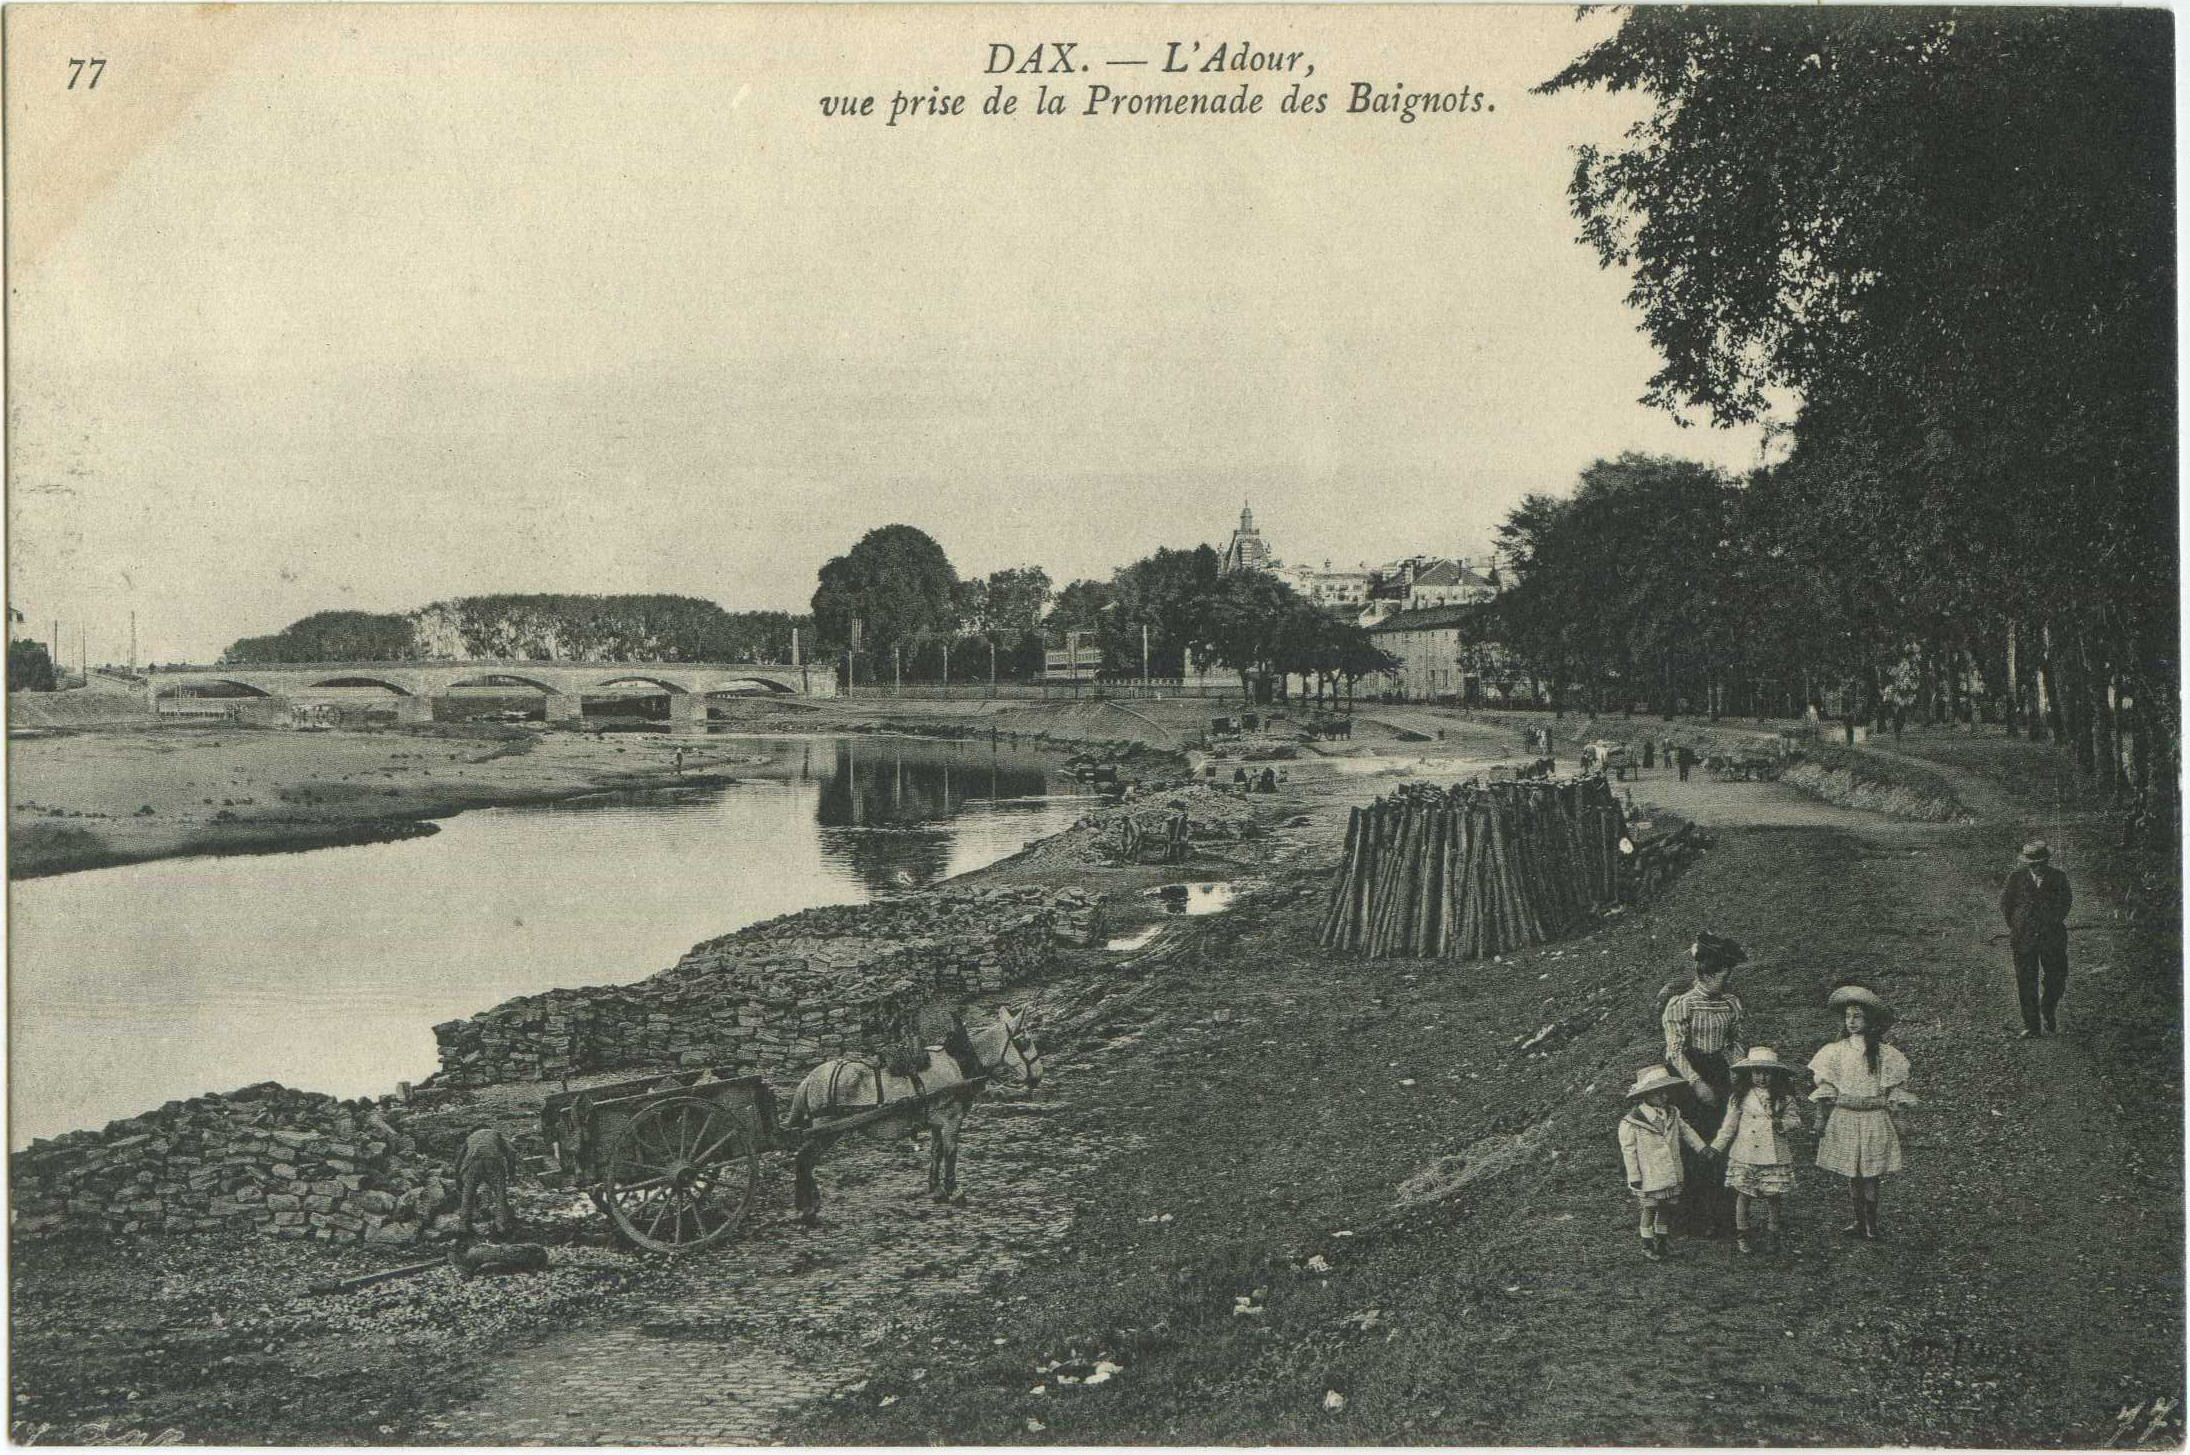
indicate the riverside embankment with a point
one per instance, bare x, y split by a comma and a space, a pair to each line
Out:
1404, 1173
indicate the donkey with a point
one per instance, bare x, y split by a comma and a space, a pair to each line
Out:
838, 1089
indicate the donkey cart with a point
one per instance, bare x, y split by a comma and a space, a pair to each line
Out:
673, 1159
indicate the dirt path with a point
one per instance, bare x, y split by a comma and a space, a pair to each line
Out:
2029, 1283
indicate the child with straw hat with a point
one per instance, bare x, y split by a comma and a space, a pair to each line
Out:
1652, 1134
1861, 1078
1760, 1166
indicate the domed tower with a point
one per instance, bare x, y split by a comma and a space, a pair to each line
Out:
1248, 551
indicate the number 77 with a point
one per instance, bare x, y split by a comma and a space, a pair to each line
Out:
76, 72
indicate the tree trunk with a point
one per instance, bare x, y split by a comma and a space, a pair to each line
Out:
2048, 716
2014, 707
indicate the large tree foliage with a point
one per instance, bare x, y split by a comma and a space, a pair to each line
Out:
1164, 595
1949, 235
331, 636
896, 583
1623, 586
534, 627
30, 666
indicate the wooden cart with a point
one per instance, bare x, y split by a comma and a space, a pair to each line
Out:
673, 1159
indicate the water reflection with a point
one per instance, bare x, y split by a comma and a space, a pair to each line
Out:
327, 970
885, 806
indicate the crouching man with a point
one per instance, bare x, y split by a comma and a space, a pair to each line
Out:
484, 1167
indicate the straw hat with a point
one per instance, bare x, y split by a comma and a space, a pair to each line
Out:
2036, 852
1763, 1058
1652, 1078
1859, 995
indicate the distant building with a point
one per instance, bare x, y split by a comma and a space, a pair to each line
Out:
1418, 582
1443, 654
1248, 550
1078, 661
1341, 591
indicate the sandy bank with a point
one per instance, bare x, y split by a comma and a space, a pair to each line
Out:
89, 800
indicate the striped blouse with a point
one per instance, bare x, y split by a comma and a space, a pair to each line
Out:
1699, 1021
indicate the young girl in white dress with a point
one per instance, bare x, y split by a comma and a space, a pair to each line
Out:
1760, 1165
1861, 1078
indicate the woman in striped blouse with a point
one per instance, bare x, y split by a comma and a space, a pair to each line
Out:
1703, 1030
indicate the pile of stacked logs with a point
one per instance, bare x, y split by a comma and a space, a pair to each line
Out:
1476, 869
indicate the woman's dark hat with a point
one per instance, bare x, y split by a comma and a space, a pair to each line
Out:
1715, 952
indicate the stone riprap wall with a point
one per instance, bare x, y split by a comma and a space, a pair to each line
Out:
291, 1164
778, 997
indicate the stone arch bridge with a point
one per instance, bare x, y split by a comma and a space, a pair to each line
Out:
564, 686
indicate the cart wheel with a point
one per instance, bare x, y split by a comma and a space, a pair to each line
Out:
680, 1174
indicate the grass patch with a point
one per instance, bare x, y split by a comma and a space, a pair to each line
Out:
1889, 786
49, 848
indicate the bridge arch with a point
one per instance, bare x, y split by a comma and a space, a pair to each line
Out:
361, 682
741, 686
501, 679
662, 682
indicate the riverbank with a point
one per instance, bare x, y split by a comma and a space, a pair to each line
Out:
93, 799
1403, 1172
90, 800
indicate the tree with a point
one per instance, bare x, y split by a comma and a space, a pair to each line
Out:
1951, 233
1242, 625
1078, 608
1166, 594
896, 582
1356, 655
1624, 585
30, 668
1015, 600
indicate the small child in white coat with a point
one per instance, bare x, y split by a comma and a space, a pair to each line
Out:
1652, 1134
1760, 1166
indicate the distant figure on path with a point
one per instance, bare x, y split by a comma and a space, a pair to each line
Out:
1687, 760
1650, 753
2035, 902
1653, 1137
1861, 1079
1703, 1027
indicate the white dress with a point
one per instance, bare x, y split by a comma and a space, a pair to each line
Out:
1860, 1140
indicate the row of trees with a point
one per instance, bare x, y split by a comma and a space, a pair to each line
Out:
537, 627
895, 594
1949, 234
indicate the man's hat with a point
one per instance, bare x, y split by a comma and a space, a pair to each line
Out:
1652, 1078
1716, 952
2036, 852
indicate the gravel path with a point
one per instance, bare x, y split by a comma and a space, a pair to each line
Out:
751, 1330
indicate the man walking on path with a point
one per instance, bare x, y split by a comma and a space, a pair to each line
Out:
2035, 902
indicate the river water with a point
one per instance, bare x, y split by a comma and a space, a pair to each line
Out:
327, 969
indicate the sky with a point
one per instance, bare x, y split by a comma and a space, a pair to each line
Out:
363, 308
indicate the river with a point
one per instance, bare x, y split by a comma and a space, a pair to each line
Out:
327, 969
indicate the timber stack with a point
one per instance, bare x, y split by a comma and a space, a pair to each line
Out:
1475, 870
